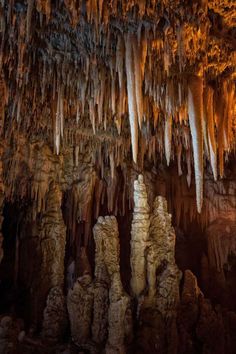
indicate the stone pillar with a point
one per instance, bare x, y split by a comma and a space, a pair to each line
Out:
80, 309
155, 276
139, 237
52, 238
99, 311
114, 310
162, 272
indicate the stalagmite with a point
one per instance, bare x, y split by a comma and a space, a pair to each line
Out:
159, 303
53, 240
195, 111
139, 237
132, 103
55, 315
161, 253
107, 271
80, 307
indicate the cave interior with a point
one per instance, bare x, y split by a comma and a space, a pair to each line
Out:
117, 176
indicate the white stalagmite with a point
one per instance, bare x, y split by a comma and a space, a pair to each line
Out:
168, 138
133, 116
195, 111
139, 237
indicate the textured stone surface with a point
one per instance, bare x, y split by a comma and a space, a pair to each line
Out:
55, 319
99, 310
107, 269
139, 237
80, 309
158, 307
44, 238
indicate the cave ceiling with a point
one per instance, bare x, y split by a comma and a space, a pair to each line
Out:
131, 80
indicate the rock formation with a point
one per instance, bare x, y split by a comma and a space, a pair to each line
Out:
80, 308
99, 309
46, 240
118, 108
55, 316
159, 302
139, 237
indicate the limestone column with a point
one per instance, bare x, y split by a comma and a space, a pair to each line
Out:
162, 272
114, 310
139, 237
51, 272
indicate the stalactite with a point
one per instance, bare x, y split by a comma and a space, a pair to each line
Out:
133, 116
179, 154
220, 117
211, 130
44, 6
57, 134
3, 95
189, 174
168, 138
138, 79
195, 110
230, 114
30, 7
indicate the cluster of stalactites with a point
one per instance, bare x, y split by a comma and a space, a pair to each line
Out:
135, 78
206, 115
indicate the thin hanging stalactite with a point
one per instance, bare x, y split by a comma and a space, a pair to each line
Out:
195, 111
